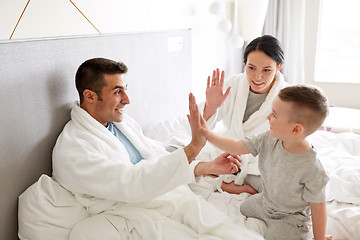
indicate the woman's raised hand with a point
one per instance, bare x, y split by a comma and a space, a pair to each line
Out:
214, 93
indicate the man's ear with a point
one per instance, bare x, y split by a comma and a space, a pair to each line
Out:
298, 129
89, 96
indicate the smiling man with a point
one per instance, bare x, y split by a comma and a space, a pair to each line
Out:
130, 185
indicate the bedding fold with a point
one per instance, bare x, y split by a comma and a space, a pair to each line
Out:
340, 155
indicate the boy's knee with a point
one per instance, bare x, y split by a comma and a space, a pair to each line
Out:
251, 205
283, 230
281, 235
245, 208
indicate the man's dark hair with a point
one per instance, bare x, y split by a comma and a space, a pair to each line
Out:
90, 74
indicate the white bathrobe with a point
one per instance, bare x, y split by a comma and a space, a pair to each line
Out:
233, 109
149, 197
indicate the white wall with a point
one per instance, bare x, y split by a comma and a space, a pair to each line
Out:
48, 18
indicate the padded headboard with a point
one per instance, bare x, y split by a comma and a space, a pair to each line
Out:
37, 91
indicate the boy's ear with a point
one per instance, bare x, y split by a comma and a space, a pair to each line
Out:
89, 96
298, 129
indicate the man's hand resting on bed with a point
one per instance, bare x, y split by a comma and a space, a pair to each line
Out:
224, 164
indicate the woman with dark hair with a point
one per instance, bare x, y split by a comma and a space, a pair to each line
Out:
244, 106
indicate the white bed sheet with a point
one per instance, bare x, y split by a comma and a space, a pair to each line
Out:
339, 153
340, 156
48, 211
343, 221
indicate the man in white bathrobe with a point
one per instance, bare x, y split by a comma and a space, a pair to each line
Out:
131, 187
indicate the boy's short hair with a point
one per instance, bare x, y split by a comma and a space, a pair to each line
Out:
310, 105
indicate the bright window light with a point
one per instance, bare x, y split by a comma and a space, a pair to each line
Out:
338, 52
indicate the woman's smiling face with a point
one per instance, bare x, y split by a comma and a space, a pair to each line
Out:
261, 70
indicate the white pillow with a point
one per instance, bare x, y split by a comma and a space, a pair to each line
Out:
48, 211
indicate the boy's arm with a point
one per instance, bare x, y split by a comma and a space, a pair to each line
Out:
318, 216
227, 144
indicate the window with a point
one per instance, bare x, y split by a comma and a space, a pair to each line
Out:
338, 52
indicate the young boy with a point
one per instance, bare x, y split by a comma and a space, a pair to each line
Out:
293, 179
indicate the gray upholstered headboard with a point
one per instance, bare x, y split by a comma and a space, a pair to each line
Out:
37, 90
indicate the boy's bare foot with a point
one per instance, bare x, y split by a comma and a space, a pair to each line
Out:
237, 189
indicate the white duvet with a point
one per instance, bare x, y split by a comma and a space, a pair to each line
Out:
96, 181
340, 155
48, 211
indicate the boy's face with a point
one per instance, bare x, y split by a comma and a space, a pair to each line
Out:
280, 125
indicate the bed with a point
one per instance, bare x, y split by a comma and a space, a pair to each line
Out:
338, 147
37, 91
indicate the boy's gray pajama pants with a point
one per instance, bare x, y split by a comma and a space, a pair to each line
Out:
280, 226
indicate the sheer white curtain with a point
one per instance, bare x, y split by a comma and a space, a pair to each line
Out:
285, 20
